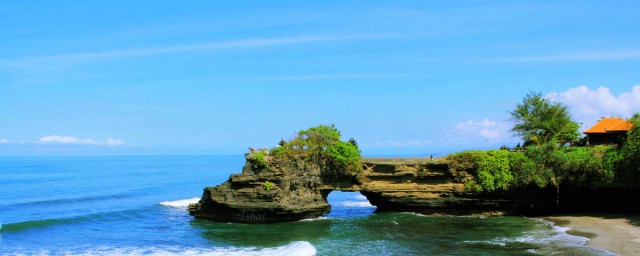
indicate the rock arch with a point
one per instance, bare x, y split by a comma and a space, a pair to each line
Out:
295, 190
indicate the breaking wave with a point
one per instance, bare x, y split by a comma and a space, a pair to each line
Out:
357, 204
547, 241
181, 203
316, 218
302, 248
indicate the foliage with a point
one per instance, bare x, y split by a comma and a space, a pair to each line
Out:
526, 171
319, 137
259, 162
353, 142
546, 128
322, 144
539, 120
463, 162
629, 166
610, 163
279, 152
568, 134
344, 155
268, 185
547, 165
577, 165
491, 169
540, 157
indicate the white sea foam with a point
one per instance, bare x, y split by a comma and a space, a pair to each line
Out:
416, 214
302, 248
361, 197
317, 218
548, 240
357, 204
181, 203
556, 236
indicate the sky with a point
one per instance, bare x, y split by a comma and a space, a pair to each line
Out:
403, 78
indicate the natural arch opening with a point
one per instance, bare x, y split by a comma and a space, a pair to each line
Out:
349, 204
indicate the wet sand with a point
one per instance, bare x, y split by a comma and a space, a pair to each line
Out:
619, 234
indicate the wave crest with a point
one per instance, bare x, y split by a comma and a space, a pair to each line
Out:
181, 203
357, 204
302, 248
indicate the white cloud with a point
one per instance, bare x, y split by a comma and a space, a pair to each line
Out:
588, 105
114, 142
56, 139
38, 61
4, 141
486, 129
485, 133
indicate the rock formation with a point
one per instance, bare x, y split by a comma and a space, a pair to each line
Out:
285, 191
432, 187
271, 189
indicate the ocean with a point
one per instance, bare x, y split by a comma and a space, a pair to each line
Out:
137, 206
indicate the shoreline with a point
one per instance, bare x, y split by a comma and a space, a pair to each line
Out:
619, 234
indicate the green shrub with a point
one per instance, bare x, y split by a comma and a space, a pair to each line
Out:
525, 171
628, 171
259, 161
345, 157
544, 165
319, 137
610, 163
463, 162
579, 166
279, 152
491, 169
267, 185
322, 144
343, 153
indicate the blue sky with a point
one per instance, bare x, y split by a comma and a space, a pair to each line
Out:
214, 77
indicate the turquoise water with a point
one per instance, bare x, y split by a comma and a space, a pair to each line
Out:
136, 205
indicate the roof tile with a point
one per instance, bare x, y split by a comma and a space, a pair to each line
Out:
613, 124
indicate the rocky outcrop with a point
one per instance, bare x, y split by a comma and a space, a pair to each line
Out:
431, 187
285, 191
297, 189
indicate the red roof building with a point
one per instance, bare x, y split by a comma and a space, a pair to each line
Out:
608, 131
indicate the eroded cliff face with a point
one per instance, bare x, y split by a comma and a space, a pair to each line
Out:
296, 189
431, 187
286, 191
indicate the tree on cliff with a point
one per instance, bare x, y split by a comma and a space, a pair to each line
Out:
539, 120
629, 165
322, 144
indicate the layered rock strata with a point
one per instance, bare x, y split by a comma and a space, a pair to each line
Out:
285, 191
295, 189
431, 187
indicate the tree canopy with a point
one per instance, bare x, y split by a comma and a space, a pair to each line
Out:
539, 120
629, 165
322, 143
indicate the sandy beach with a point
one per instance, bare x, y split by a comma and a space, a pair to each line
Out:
619, 234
